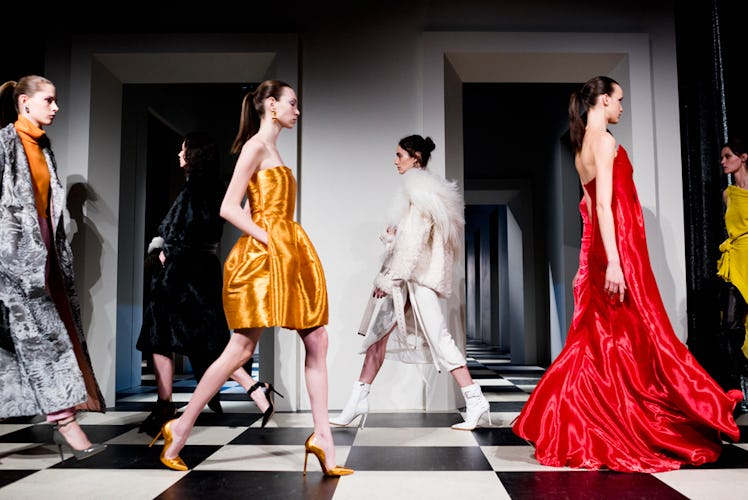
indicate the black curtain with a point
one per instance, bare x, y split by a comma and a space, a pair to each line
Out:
710, 56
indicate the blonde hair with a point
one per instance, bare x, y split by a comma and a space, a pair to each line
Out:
11, 90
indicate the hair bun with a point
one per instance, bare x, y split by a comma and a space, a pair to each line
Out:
428, 145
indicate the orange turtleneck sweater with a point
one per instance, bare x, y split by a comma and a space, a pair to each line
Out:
30, 135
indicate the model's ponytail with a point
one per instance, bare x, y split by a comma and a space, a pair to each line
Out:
585, 97
253, 109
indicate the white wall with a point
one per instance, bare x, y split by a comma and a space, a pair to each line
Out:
363, 86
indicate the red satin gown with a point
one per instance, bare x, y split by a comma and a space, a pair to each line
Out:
624, 393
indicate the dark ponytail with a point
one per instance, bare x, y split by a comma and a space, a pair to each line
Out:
585, 97
253, 108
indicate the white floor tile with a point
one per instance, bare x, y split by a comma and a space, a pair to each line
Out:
413, 436
28, 456
431, 485
708, 484
493, 381
516, 458
111, 484
500, 397
281, 419
266, 458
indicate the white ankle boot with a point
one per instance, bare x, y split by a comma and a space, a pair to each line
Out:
358, 404
476, 406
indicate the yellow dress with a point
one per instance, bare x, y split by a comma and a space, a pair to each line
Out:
281, 284
733, 263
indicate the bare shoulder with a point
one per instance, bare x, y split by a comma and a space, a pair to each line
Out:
254, 146
603, 147
604, 142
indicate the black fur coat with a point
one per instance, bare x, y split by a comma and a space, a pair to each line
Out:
184, 311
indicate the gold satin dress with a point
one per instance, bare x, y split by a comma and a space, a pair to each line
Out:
281, 284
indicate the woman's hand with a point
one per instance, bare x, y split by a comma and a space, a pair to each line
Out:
614, 283
379, 293
162, 257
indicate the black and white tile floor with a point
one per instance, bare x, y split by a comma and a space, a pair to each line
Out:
396, 456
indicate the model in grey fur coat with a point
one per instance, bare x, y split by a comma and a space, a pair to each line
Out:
39, 370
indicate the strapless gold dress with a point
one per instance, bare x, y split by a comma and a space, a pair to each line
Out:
283, 283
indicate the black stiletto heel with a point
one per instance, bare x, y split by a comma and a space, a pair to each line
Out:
162, 413
268, 390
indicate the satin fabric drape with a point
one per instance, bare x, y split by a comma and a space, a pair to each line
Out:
625, 393
283, 283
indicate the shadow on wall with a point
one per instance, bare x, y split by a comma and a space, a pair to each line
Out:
86, 243
664, 278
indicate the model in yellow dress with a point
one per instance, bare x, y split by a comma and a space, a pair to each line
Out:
281, 283
272, 276
733, 268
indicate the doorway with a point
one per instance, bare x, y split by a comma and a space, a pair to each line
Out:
519, 232
166, 112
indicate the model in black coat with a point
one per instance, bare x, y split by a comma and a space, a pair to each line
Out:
184, 311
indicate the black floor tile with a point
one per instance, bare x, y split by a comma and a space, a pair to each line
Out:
201, 485
499, 389
10, 476
343, 436
497, 436
505, 370
506, 406
732, 457
413, 419
412, 458
133, 456
209, 419
40, 433
586, 485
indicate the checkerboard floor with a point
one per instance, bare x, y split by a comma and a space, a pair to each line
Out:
396, 456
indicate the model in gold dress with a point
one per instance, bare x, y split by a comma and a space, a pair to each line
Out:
272, 277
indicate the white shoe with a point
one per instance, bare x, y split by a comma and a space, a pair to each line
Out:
476, 405
357, 405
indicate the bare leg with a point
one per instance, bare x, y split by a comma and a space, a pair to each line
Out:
240, 348
245, 380
373, 360
315, 372
164, 368
462, 376
73, 434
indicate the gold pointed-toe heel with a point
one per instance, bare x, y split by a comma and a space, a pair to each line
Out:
175, 463
310, 447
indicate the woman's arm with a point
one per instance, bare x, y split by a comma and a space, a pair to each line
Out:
411, 240
603, 151
232, 208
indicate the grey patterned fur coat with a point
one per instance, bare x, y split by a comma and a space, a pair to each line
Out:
39, 371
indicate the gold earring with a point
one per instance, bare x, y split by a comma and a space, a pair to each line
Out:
275, 117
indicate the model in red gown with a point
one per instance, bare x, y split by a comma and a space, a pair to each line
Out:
624, 393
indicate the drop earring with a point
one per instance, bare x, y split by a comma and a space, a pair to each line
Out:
26, 108
275, 117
